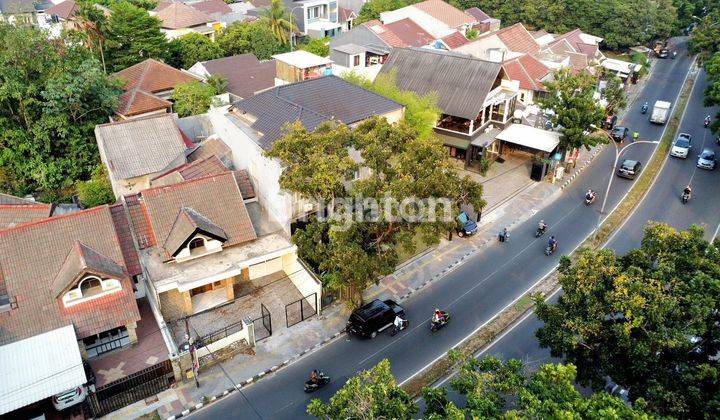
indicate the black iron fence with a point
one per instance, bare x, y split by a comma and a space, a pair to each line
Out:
99, 348
132, 388
263, 324
301, 309
221, 333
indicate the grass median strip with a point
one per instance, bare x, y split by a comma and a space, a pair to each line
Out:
514, 312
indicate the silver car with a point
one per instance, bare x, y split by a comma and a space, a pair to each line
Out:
681, 147
706, 159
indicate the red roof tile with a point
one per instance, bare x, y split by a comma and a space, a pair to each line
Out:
181, 15
405, 33
454, 40
15, 214
30, 257
518, 39
137, 102
153, 76
64, 10
124, 233
210, 165
527, 70
445, 13
140, 222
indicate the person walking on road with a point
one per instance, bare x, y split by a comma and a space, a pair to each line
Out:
504, 235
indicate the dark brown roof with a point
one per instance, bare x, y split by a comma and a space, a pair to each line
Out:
15, 214
245, 74
140, 221
212, 6
137, 102
124, 233
211, 147
181, 15
153, 76
478, 14
216, 197
83, 260
242, 177
211, 165
410, 33
188, 223
64, 10
32, 254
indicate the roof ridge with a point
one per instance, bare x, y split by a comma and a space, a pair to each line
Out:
148, 117
154, 190
54, 218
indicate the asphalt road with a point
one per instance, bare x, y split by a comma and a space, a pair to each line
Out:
661, 204
472, 293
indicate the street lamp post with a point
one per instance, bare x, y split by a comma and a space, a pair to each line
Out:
618, 152
292, 20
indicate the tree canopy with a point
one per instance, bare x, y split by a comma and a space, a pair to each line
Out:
317, 46
279, 21
372, 394
371, 9
614, 95
53, 95
575, 110
191, 48
397, 167
192, 98
250, 37
132, 36
650, 320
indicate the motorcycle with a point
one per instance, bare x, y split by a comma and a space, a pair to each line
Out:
590, 200
685, 197
434, 326
540, 232
311, 386
550, 249
706, 123
397, 329
644, 109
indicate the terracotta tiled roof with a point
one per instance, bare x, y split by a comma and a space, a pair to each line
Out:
140, 222
216, 197
478, 14
83, 260
211, 165
386, 35
409, 33
242, 177
137, 102
445, 13
64, 10
211, 147
127, 245
11, 199
454, 40
578, 61
186, 225
527, 70
153, 76
518, 39
15, 214
180, 15
33, 253
212, 6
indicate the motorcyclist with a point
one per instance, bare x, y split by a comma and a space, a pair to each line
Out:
645, 107
542, 226
438, 316
636, 135
707, 121
687, 191
314, 377
590, 195
552, 243
398, 323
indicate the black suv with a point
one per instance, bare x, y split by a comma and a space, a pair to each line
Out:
373, 317
619, 133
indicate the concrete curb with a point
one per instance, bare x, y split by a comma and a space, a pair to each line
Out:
583, 167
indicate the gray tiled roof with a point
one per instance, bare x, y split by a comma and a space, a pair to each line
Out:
462, 82
140, 146
311, 102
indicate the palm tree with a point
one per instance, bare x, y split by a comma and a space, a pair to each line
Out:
279, 20
92, 21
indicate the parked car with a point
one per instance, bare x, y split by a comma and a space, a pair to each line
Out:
466, 227
69, 398
629, 169
706, 159
619, 133
681, 147
373, 318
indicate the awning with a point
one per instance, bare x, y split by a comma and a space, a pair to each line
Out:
530, 137
452, 141
39, 367
486, 138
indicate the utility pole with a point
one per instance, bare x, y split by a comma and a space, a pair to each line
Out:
193, 354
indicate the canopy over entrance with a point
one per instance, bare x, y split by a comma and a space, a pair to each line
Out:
530, 137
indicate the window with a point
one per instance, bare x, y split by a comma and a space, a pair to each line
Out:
356, 60
196, 243
91, 286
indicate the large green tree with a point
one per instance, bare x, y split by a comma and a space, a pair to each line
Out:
571, 99
132, 36
250, 37
615, 96
372, 394
279, 21
371, 9
52, 94
650, 320
191, 48
705, 39
192, 98
317, 46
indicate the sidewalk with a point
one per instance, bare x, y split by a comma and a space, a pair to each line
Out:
525, 199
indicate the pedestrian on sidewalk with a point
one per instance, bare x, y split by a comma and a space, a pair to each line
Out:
504, 235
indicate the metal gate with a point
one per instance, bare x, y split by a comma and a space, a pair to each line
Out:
132, 388
263, 324
301, 309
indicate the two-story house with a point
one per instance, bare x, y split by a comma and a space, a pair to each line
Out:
320, 18
251, 126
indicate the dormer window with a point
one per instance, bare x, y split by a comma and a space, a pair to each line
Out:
90, 287
193, 235
195, 244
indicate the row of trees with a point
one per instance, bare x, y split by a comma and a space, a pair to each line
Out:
648, 320
705, 41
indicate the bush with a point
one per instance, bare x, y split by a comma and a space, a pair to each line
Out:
96, 191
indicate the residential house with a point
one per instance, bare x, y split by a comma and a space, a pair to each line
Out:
18, 12
178, 19
299, 65
16, 210
135, 151
245, 74
530, 73
65, 13
485, 23
148, 88
474, 95
251, 126
436, 17
320, 18
504, 44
